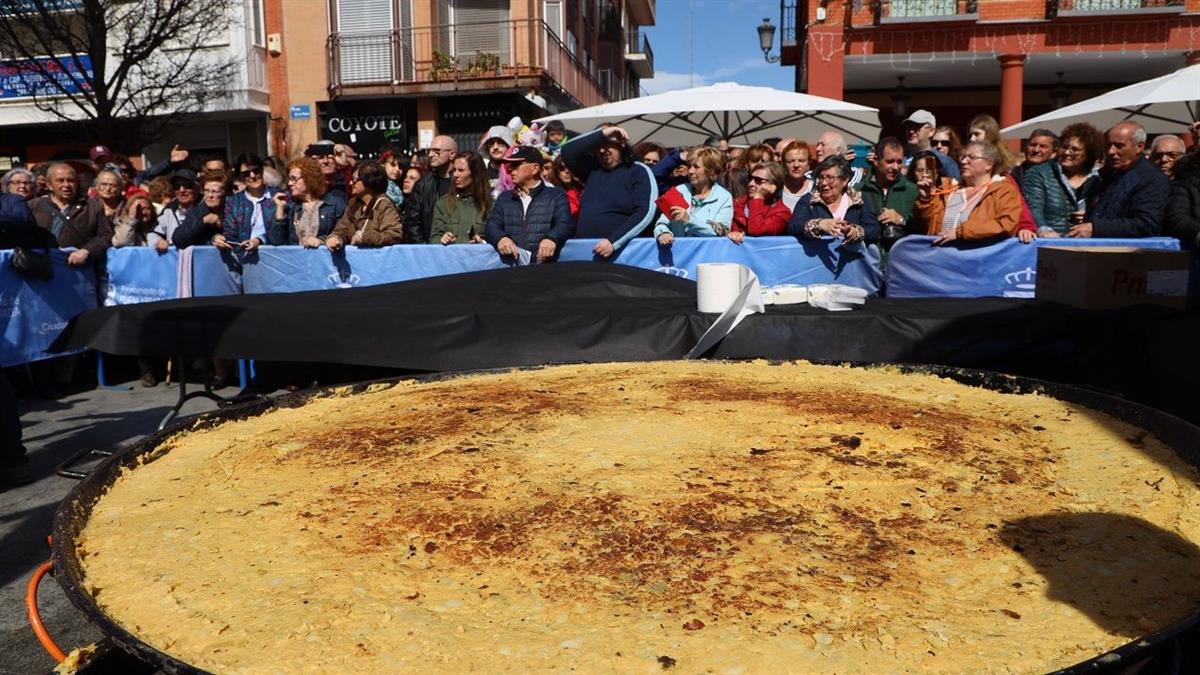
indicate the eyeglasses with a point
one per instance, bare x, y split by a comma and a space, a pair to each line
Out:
1155, 156
945, 142
252, 171
191, 187
294, 178
759, 180
826, 178
1070, 150
971, 158
440, 150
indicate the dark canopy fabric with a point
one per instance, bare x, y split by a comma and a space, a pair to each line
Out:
589, 312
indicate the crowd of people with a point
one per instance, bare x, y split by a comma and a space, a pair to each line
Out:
526, 191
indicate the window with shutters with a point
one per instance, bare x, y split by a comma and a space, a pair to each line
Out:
480, 27
365, 40
552, 15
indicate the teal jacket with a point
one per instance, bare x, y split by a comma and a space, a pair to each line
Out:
716, 207
1051, 198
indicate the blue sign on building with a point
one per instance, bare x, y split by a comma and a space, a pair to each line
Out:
20, 79
301, 112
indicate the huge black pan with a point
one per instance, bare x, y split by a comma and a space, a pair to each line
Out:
74, 511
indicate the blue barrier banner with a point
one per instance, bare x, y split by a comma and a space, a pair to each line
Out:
140, 274
1008, 268
34, 312
216, 272
776, 260
288, 269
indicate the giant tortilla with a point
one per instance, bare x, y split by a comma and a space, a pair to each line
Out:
697, 517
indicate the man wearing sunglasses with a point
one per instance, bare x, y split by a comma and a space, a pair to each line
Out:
247, 212
918, 129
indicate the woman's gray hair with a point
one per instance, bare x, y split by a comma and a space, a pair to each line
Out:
831, 162
13, 173
990, 153
116, 173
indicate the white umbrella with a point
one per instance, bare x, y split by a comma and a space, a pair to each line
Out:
740, 113
1167, 104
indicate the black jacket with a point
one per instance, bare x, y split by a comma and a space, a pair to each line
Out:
1183, 208
1129, 203
193, 231
548, 217
418, 207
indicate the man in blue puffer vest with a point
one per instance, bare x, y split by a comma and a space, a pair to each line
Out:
532, 216
618, 193
1131, 198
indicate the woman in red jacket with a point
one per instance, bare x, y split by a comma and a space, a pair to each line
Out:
761, 213
567, 182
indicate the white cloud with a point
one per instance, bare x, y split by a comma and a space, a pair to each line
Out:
666, 81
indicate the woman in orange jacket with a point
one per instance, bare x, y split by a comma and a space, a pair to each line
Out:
985, 205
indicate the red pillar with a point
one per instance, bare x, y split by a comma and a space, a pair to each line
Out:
1012, 88
825, 51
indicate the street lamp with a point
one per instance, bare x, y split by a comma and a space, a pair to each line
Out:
766, 38
900, 97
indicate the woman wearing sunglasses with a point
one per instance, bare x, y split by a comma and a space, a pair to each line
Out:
250, 210
946, 141
761, 213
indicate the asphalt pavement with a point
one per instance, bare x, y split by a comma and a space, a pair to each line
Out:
54, 430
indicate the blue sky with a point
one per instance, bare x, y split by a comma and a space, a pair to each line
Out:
724, 45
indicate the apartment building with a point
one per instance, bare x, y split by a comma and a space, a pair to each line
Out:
237, 121
369, 72
1013, 59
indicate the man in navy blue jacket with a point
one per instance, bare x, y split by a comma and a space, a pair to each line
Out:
1131, 198
618, 193
533, 216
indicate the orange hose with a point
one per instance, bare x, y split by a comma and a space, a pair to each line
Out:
35, 619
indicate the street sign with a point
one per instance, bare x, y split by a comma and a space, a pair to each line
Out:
301, 112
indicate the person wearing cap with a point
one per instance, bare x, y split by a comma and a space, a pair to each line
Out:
419, 205
495, 145
918, 129
618, 197
73, 219
183, 181
100, 156
532, 216
324, 154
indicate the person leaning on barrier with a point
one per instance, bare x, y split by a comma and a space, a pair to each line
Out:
20, 182
183, 182
205, 222
371, 219
710, 207
459, 215
834, 209
1183, 208
760, 212
1058, 190
1131, 196
71, 218
618, 197
986, 205
249, 211
304, 213
888, 192
418, 205
532, 216
135, 221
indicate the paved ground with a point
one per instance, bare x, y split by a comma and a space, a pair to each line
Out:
54, 430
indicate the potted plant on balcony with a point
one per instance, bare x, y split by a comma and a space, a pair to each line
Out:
485, 63
443, 65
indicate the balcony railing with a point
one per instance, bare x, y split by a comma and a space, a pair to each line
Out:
924, 10
1056, 8
458, 53
638, 43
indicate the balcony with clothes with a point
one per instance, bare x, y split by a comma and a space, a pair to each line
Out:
480, 56
639, 55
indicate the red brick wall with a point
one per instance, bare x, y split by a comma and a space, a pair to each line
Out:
277, 83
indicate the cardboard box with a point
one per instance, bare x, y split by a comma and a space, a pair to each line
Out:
1107, 277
